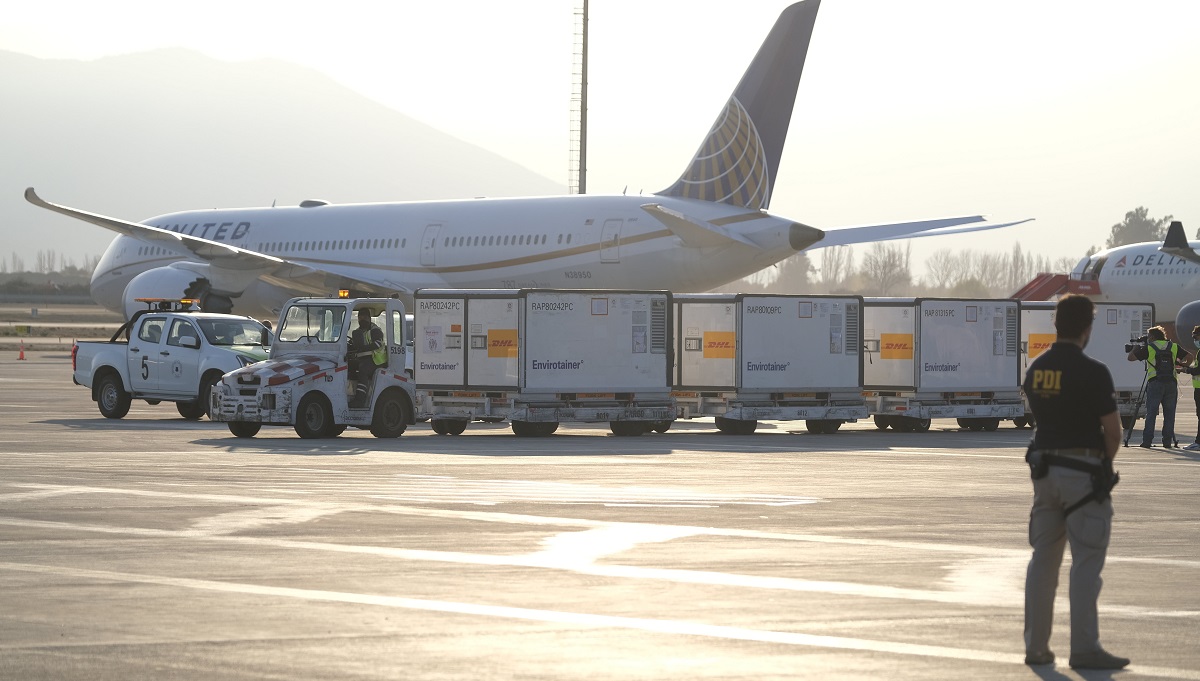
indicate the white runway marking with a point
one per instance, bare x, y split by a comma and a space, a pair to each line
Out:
553, 560
572, 618
440, 489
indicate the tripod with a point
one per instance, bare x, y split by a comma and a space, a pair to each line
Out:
1137, 408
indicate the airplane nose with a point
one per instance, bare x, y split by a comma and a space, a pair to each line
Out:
802, 236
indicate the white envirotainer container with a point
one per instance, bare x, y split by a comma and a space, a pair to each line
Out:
1115, 325
747, 357
596, 342
466, 339
941, 344
942, 357
537, 357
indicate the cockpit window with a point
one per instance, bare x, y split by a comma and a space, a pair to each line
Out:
1092, 271
322, 323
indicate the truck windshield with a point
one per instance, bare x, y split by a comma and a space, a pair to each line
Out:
232, 331
320, 322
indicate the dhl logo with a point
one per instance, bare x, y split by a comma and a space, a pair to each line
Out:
720, 344
895, 346
502, 343
1039, 343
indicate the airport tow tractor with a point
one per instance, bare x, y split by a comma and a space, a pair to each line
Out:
305, 382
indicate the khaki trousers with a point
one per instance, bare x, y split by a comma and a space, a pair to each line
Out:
1087, 531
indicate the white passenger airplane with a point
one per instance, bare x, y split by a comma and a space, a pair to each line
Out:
1165, 273
708, 228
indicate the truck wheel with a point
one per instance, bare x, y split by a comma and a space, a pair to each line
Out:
111, 397
438, 426
391, 416
990, 424
661, 426
746, 427
1020, 422
191, 411
527, 429
314, 417
627, 428
244, 428
922, 425
336, 430
824, 426
456, 427
726, 426
882, 421
548, 428
210, 381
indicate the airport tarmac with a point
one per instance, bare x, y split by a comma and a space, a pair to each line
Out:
153, 547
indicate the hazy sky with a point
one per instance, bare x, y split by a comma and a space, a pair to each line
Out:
1069, 111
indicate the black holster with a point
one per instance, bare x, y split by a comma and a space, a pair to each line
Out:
1038, 466
1104, 478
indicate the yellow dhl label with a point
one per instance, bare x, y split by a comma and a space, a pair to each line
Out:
502, 343
895, 346
685, 394
968, 394
720, 344
786, 395
465, 394
1040, 342
596, 396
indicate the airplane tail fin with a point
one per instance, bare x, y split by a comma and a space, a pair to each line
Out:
738, 161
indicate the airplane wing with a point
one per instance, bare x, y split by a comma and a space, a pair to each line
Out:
246, 263
1176, 244
908, 230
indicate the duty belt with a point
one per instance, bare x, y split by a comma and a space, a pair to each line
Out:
1101, 472
1084, 452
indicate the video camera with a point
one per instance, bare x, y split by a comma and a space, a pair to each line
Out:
1133, 343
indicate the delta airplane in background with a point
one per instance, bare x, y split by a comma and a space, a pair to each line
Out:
709, 228
1165, 273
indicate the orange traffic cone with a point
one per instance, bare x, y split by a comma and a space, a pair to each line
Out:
22, 355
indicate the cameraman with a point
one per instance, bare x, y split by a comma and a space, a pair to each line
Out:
1161, 357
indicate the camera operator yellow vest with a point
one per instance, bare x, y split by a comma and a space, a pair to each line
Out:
1152, 350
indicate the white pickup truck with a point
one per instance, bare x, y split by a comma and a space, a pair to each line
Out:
167, 354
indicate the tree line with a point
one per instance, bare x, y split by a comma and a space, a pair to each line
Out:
48, 261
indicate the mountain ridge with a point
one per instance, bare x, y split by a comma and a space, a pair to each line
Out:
146, 133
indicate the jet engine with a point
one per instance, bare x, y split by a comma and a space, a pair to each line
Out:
1188, 318
178, 280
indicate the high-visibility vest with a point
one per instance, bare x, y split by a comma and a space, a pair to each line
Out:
1196, 377
1152, 358
364, 339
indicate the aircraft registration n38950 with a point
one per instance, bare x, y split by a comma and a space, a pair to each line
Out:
709, 228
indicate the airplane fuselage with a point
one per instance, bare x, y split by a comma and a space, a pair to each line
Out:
1141, 273
563, 242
